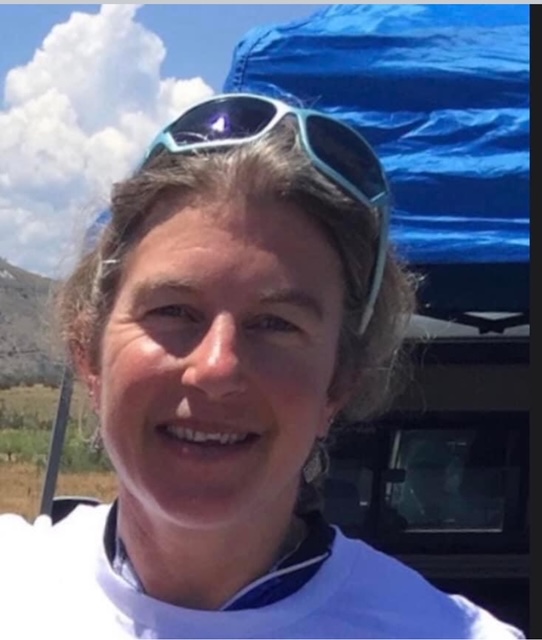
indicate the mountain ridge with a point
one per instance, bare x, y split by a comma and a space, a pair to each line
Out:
29, 352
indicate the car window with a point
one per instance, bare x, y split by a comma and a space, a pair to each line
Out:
454, 479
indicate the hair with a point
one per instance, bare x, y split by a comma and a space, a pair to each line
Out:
272, 167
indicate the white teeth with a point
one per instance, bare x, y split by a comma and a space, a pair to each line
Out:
191, 435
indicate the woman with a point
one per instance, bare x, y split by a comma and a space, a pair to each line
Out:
241, 297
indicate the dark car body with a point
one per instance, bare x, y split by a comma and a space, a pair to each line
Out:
442, 481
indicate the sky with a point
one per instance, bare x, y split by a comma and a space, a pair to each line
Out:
83, 90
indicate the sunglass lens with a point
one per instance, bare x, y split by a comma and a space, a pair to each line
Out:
229, 118
338, 147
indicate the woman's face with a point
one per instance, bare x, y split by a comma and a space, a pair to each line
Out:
217, 358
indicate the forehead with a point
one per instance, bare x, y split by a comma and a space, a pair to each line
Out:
255, 217
269, 239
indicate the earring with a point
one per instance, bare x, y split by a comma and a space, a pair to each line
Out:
317, 464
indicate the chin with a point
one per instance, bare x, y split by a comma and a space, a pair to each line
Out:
198, 510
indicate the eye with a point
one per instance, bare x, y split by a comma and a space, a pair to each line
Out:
272, 323
176, 311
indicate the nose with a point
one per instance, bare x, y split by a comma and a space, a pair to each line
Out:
214, 365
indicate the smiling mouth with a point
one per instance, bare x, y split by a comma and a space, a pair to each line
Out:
205, 438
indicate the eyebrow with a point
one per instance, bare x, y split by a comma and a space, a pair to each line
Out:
296, 297
147, 287
288, 296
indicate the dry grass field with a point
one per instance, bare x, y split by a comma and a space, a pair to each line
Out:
22, 473
21, 485
41, 402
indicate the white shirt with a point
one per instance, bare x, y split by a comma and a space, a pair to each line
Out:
56, 582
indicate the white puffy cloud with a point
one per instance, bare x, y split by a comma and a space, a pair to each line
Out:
74, 119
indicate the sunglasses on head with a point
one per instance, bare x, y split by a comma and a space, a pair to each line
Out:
334, 149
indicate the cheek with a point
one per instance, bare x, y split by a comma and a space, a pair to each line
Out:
128, 351
299, 386
128, 370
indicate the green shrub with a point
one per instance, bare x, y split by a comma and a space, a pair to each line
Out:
32, 445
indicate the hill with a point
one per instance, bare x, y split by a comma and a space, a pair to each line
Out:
27, 355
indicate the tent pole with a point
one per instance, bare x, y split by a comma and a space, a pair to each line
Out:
57, 441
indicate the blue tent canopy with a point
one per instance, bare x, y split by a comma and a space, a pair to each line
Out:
442, 93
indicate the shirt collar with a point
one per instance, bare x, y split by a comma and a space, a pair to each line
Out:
288, 575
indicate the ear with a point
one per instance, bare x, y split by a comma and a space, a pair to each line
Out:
87, 374
339, 394
332, 408
94, 388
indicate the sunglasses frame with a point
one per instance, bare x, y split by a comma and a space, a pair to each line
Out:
379, 204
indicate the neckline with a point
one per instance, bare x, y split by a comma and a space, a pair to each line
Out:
162, 618
301, 558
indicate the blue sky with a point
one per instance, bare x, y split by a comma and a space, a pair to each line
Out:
199, 38
83, 88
